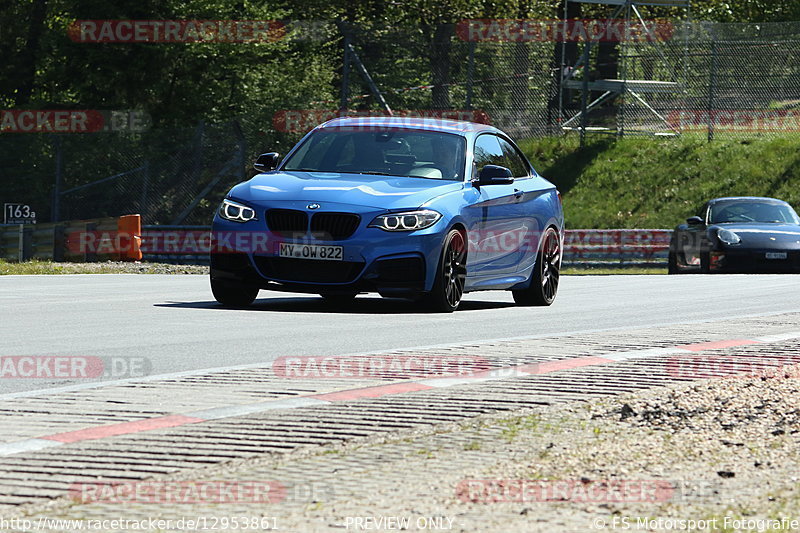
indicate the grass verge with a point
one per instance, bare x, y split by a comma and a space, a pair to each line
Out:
576, 271
120, 267
637, 182
108, 267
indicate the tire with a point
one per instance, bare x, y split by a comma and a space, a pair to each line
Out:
705, 263
451, 274
232, 294
546, 273
672, 264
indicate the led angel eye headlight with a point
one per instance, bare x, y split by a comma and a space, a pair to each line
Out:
236, 212
408, 221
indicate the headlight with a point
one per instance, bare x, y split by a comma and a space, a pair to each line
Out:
406, 221
728, 237
236, 212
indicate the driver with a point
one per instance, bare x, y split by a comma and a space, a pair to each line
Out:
445, 155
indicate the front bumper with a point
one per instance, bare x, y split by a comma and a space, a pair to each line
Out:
398, 275
392, 264
754, 261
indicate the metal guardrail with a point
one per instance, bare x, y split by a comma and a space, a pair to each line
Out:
50, 241
617, 247
176, 258
582, 247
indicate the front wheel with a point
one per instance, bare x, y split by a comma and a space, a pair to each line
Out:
546, 273
448, 287
232, 294
705, 263
672, 264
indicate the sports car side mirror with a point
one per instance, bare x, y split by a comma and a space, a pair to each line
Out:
495, 175
694, 221
267, 162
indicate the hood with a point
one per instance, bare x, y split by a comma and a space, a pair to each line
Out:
381, 192
758, 235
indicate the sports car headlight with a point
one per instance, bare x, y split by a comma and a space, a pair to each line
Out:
236, 212
406, 221
728, 237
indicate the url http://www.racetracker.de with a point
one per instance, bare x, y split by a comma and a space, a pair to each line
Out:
195, 523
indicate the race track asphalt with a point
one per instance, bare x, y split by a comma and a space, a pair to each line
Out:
175, 324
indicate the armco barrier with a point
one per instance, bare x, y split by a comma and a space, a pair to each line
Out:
181, 254
126, 239
616, 247
52, 241
582, 247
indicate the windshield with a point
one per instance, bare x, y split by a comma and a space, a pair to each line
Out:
391, 152
750, 211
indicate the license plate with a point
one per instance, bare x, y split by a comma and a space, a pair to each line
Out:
777, 255
311, 251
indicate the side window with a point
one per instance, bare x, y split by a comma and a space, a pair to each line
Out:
519, 169
488, 152
705, 213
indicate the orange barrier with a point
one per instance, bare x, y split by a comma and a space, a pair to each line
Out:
98, 239
129, 229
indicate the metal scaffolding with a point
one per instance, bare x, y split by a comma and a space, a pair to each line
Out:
622, 90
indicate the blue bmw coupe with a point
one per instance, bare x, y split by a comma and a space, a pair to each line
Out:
425, 209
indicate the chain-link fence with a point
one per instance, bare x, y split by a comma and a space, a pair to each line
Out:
702, 79
715, 80
174, 176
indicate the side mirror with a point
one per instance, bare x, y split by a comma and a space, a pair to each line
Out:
495, 175
695, 221
267, 162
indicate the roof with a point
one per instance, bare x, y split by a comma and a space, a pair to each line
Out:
431, 124
735, 198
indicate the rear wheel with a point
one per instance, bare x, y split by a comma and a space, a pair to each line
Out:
546, 273
232, 294
448, 287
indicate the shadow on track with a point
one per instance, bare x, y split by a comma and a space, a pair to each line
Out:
360, 305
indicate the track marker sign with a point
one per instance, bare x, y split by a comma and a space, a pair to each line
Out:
18, 214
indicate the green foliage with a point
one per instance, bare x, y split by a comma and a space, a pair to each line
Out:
180, 84
649, 183
747, 10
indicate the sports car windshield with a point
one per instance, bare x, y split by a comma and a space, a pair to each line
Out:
762, 212
388, 152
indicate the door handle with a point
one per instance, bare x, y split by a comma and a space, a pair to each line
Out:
518, 194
